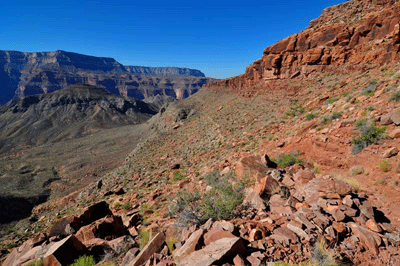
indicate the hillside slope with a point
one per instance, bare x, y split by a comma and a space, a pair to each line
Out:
295, 166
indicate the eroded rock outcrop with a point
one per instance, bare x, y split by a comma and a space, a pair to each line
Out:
351, 33
23, 74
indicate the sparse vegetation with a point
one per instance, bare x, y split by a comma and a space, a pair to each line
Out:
84, 261
127, 205
384, 166
144, 237
356, 170
295, 109
285, 160
370, 88
369, 134
311, 116
336, 115
395, 97
322, 256
35, 263
177, 176
218, 203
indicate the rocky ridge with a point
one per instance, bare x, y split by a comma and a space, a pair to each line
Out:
165, 71
353, 34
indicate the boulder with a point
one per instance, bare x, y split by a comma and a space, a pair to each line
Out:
267, 161
17, 253
64, 252
251, 166
278, 205
395, 117
367, 237
390, 152
154, 245
385, 119
192, 244
302, 177
218, 252
228, 226
216, 234
254, 200
65, 226
395, 134
267, 186
94, 212
109, 226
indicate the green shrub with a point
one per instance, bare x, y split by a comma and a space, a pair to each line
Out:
310, 116
331, 100
177, 176
143, 238
369, 134
221, 200
84, 261
370, 88
218, 203
323, 256
336, 115
35, 263
356, 170
384, 166
127, 205
295, 109
370, 108
395, 97
285, 160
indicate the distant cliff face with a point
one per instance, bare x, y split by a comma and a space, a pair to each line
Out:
23, 74
351, 34
165, 71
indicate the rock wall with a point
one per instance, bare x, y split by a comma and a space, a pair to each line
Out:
352, 33
23, 74
165, 71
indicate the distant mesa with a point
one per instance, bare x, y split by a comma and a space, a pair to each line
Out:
23, 74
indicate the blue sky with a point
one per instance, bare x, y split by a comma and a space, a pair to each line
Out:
221, 38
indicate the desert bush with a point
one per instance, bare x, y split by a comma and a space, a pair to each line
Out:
384, 166
395, 97
356, 170
218, 203
285, 160
84, 261
370, 88
336, 115
369, 134
143, 238
177, 176
127, 205
295, 109
310, 116
322, 256
35, 263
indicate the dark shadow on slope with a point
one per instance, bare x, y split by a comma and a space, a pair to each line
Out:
17, 208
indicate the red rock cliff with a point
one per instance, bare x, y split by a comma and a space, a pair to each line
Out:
351, 33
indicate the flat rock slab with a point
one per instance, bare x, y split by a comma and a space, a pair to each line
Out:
153, 246
191, 245
64, 252
215, 253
